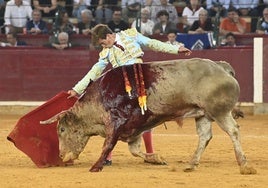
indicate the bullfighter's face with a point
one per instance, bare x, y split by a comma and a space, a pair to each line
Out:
72, 139
108, 42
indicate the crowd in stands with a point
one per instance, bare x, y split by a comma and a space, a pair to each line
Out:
52, 17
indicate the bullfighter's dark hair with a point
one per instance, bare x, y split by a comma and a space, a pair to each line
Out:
100, 31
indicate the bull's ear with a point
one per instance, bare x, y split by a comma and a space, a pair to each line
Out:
54, 118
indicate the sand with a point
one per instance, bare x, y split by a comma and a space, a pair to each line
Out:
218, 167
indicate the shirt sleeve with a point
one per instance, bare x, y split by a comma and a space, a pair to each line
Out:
7, 15
209, 4
93, 74
157, 45
226, 4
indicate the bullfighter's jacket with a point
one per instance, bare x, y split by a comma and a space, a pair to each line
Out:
132, 42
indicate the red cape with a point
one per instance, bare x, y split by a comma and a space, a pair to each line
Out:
40, 142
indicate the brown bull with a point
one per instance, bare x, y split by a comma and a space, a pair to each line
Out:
198, 88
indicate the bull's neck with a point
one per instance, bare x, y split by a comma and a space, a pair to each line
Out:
94, 130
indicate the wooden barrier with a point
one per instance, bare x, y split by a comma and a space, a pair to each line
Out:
82, 40
38, 73
41, 40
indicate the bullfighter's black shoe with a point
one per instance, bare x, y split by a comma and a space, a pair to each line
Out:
107, 162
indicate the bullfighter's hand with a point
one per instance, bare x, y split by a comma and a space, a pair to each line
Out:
71, 93
184, 50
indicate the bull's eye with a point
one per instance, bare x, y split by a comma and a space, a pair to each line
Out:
62, 129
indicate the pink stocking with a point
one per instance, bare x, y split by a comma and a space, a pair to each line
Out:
147, 138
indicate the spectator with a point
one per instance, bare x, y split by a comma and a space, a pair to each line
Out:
144, 24
248, 8
61, 42
262, 25
2, 13
262, 5
117, 24
12, 41
164, 5
67, 6
104, 11
131, 9
62, 24
171, 35
215, 6
190, 14
79, 6
203, 25
163, 26
48, 8
36, 25
229, 40
152, 3
87, 22
232, 23
16, 15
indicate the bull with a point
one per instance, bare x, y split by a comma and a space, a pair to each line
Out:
196, 88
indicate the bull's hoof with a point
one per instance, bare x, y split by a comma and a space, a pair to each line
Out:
190, 168
155, 159
96, 169
107, 162
245, 170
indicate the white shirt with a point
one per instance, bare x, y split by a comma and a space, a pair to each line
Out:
17, 15
245, 3
146, 28
176, 43
85, 2
191, 16
124, 3
224, 3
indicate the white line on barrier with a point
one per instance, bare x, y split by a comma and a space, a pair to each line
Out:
214, 136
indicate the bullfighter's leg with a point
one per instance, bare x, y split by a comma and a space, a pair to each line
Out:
229, 125
148, 141
135, 150
109, 143
203, 128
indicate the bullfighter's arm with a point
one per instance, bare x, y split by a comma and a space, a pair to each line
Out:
153, 44
93, 74
157, 45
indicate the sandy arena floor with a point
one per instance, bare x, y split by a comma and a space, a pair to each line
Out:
218, 167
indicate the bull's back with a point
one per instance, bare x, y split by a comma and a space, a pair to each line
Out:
192, 82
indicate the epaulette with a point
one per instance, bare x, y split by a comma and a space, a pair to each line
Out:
131, 32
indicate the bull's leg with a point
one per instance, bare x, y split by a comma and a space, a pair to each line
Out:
135, 149
109, 143
229, 125
203, 128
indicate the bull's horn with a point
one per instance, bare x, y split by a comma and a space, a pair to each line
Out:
54, 118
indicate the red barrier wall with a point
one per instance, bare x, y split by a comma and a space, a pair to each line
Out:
37, 73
